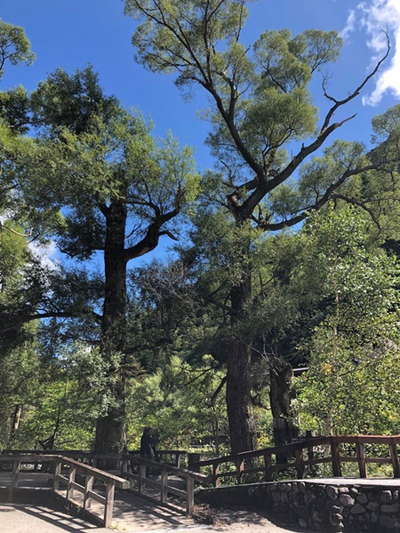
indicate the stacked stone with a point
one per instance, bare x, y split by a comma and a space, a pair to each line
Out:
333, 509
317, 506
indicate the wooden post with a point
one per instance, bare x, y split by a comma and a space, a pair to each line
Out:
14, 478
189, 495
215, 472
108, 511
57, 472
70, 490
240, 470
89, 482
268, 466
299, 463
360, 449
142, 476
310, 457
336, 467
15, 474
124, 463
395, 459
164, 486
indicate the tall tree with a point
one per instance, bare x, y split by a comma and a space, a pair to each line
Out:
119, 192
262, 112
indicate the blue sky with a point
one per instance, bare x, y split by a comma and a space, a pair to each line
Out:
74, 33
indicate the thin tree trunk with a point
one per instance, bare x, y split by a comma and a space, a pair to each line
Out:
110, 429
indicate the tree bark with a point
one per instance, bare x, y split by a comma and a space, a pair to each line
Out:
284, 428
110, 428
242, 430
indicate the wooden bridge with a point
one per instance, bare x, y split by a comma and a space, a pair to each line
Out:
82, 485
74, 476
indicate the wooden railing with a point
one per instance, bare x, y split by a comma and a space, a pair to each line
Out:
70, 476
176, 458
121, 461
163, 473
300, 458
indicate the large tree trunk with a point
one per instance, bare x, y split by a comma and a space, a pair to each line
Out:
284, 428
110, 429
242, 431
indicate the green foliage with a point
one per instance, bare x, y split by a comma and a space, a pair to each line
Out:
14, 46
94, 153
14, 109
177, 401
72, 101
354, 351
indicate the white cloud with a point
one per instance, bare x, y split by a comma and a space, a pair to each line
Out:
45, 253
350, 24
375, 17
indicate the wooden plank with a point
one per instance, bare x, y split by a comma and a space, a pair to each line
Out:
87, 500
268, 466
240, 469
311, 442
360, 450
233, 473
336, 468
95, 496
57, 474
394, 459
177, 492
60, 477
71, 479
164, 486
190, 496
109, 506
310, 455
215, 477
180, 472
119, 481
299, 463
15, 473
141, 478
77, 486
377, 460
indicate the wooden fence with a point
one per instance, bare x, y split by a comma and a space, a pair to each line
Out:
300, 458
178, 458
164, 474
70, 476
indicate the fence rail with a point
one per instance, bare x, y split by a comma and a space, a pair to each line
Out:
121, 461
163, 487
75, 476
305, 454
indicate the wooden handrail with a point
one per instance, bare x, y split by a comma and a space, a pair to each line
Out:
304, 453
89, 473
165, 470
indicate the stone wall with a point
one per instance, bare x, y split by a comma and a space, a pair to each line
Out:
317, 506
